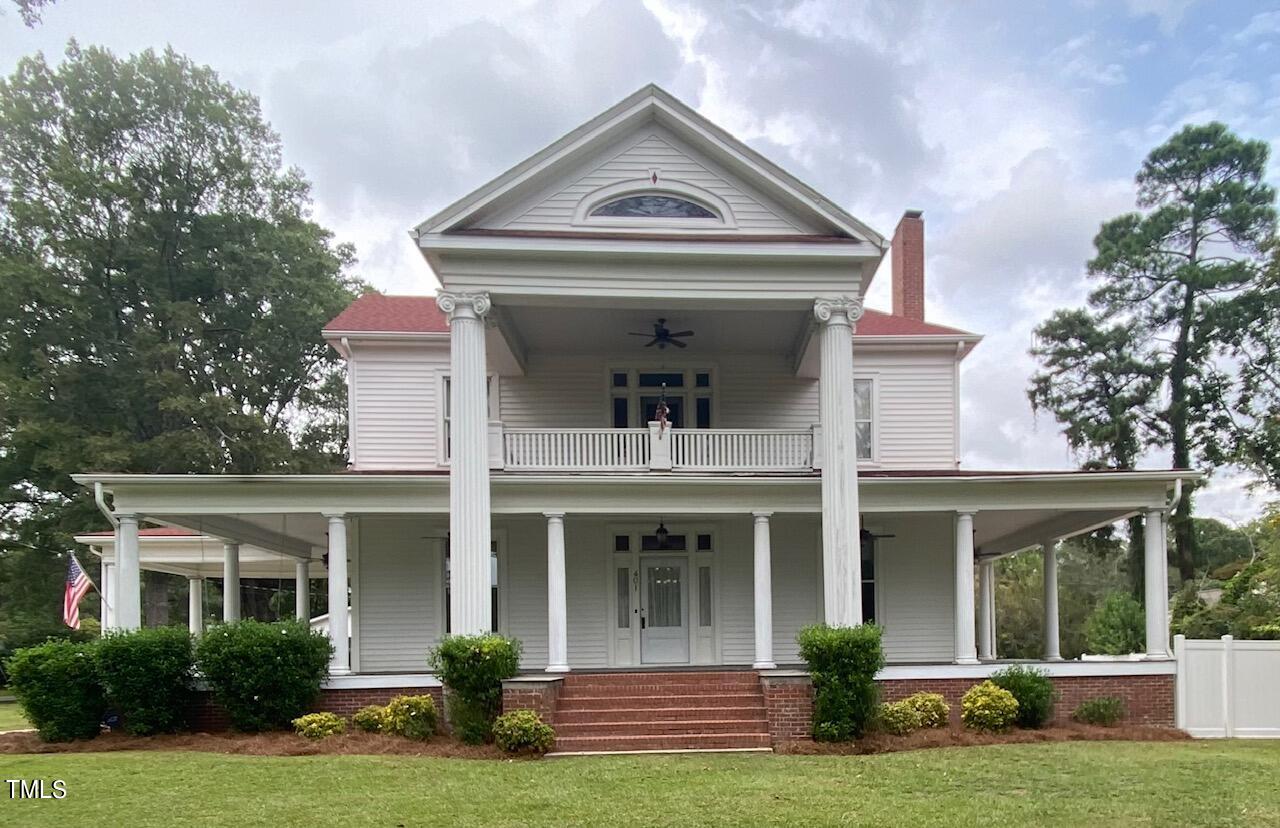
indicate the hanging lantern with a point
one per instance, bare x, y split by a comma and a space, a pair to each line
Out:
661, 534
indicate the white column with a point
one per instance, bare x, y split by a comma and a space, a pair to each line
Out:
764, 593
557, 602
841, 550
1051, 637
471, 606
108, 596
966, 648
986, 610
128, 598
231, 582
195, 605
302, 590
339, 624
1156, 579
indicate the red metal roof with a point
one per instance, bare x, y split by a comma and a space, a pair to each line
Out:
378, 313
152, 532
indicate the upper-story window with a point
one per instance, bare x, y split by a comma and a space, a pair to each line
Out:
653, 206
446, 406
863, 417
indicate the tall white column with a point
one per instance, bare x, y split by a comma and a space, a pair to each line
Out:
841, 550
1051, 637
557, 602
231, 582
986, 610
302, 590
339, 624
195, 605
966, 647
108, 596
128, 599
471, 607
763, 593
1156, 579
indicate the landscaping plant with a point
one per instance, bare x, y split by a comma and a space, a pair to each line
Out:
1106, 711
58, 686
989, 708
523, 731
413, 717
369, 718
473, 667
319, 725
147, 676
898, 718
1034, 691
264, 675
932, 709
843, 662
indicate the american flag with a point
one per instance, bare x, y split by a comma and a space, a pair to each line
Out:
78, 585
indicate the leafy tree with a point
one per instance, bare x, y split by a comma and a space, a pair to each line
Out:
1250, 602
164, 294
1117, 626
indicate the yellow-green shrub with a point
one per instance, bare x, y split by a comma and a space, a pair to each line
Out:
319, 725
369, 718
931, 707
413, 717
523, 731
898, 718
988, 707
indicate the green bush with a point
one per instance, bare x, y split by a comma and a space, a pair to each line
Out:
1117, 627
413, 717
1034, 691
58, 686
843, 662
932, 709
264, 675
147, 676
898, 718
473, 667
1106, 711
988, 707
523, 731
369, 718
319, 725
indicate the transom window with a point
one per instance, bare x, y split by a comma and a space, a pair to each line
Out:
653, 206
634, 396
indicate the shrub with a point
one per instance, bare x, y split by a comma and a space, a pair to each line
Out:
523, 731
1117, 626
319, 725
932, 709
58, 687
413, 717
147, 676
1034, 691
988, 707
369, 719
264, 675
473, 668
843, 662
898, 718
1106, 711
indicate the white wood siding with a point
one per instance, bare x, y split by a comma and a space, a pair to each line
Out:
916, 589
400, 594
915, 420
395, 408
522, 589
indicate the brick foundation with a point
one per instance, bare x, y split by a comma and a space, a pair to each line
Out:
788, 704
538, 694
207, 717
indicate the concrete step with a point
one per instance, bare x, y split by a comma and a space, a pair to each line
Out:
658, 700
693, 727
704, 741
649, 714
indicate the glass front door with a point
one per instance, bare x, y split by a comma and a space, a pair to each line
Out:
664, 611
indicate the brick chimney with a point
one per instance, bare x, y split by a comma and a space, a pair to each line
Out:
908, 266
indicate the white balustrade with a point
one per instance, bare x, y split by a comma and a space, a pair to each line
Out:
577, 449
742, 449
637, 449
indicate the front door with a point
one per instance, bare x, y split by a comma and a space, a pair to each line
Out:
664, 610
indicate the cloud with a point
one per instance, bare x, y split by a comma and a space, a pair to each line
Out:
1074, 60
1168, 13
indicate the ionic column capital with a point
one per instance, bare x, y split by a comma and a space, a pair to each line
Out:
457, 305
762, 516
837, 310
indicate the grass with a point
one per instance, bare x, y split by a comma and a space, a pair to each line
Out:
1065, 784
11, 717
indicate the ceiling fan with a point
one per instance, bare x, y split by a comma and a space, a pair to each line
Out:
662, 336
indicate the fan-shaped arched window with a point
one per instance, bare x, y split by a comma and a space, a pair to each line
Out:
653, 206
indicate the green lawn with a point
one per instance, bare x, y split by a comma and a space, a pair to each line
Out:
1068, 784
11, 717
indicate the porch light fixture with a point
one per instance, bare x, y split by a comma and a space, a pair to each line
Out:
661, 534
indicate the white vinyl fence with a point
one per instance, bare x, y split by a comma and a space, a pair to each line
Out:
1228, 688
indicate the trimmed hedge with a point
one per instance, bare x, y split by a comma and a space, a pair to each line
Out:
988, 707
264, 675
931, 707
369, 718
58, 686
413, 717
523, 731
148, 677
898, 718
1034, 691
843, 662
319, 725
473, 667
1106, 711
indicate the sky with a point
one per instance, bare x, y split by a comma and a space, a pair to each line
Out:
1016, 127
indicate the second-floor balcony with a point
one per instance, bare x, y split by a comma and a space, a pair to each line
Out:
656, 448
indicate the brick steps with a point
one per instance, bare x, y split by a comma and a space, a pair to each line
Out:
623, 712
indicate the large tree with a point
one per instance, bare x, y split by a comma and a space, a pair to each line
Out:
1164, 273
164, 291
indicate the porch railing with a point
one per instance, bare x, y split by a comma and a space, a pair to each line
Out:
641, 449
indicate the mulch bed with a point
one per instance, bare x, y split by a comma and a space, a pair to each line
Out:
959, 737
257, 744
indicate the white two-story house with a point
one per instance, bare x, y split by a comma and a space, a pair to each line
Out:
647, 423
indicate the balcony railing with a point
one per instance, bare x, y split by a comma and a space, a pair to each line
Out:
657, 449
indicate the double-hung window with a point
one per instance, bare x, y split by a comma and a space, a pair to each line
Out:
864, 417
446, 407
